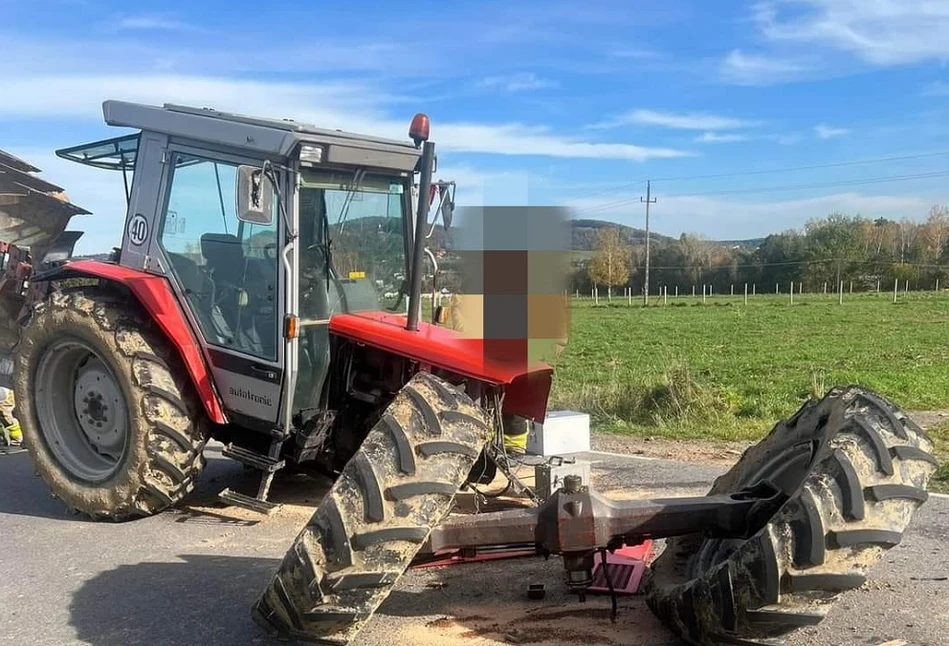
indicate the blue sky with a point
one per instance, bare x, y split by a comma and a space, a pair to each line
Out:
531, 102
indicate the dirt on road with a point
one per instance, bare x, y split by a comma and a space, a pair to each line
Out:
719, 453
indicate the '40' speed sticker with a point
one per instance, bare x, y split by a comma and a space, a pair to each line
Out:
138, 229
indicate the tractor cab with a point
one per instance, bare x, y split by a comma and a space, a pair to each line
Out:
267, 229
282, 265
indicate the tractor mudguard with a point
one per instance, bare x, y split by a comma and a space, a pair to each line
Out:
155, 295
526, 383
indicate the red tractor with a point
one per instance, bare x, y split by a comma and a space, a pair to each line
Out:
248, 304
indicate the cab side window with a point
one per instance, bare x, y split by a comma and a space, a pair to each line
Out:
223, 266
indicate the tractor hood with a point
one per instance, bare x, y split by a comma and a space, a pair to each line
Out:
527, 383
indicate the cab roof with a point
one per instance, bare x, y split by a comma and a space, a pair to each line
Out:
262, 136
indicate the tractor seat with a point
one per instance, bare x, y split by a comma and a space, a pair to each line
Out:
225, 257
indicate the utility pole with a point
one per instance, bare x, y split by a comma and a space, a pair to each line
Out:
649, 200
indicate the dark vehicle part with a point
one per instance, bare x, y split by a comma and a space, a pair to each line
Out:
575, 522
868, 477
536, 591
379, 512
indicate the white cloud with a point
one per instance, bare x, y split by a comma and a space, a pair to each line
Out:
788, 139
824, 131
493, 188
718, 138
151, 23
515, 139
130, 53
755, 69
677, 121
723, 218
517, 82
879, 32
40, 96
635, 53
348, 106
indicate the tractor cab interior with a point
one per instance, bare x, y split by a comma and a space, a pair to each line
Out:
352, 249
227, 269
244, 294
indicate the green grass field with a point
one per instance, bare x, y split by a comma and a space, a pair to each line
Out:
725, 370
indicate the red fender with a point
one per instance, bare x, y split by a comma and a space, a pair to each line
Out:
527, 385
504, 362
156, 296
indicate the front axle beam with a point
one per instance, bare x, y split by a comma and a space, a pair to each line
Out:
576, 519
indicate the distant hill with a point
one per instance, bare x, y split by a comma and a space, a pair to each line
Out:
584, 232
749, 243
584, 235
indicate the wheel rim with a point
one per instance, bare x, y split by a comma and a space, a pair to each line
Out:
81, 410
787, 471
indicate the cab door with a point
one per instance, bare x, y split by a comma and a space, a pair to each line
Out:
228, 275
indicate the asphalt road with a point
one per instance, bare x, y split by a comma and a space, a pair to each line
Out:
190, 576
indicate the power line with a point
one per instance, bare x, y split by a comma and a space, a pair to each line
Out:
788, 169
853, 182
786, 187
799, 168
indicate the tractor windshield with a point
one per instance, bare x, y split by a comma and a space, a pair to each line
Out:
352, 244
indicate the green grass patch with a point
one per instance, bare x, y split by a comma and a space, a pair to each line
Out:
940, 436
726, 370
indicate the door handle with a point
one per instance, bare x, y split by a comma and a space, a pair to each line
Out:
269, 373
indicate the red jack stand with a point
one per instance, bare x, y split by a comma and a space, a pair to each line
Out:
626, 568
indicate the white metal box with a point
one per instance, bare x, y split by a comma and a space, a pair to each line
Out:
563, 431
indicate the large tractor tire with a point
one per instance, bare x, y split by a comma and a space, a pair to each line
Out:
108, 412
372, 523
856, 469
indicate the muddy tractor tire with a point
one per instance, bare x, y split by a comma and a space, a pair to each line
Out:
108, 412
365, 533
856, 469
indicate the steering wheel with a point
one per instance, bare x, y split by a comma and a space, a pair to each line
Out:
226, 292
317, 259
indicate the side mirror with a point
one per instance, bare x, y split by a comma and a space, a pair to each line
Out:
448, 210
254, 196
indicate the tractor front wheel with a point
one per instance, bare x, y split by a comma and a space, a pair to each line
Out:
369, 527
108, 413
855, 468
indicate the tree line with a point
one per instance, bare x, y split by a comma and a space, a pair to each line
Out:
837, 248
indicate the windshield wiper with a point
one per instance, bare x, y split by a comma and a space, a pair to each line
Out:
350, 194
326, 242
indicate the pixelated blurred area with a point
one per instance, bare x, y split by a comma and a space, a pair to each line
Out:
514, 295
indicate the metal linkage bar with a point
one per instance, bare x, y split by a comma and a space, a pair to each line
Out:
576, 519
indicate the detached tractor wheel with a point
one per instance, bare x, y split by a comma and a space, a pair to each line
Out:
856, 469
108, 413
369, 527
